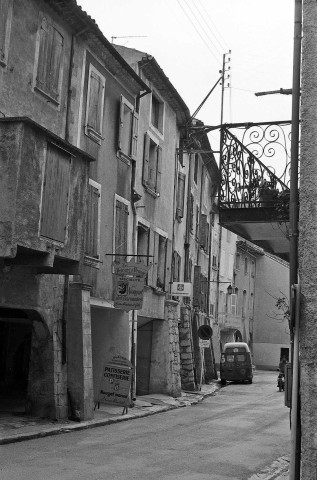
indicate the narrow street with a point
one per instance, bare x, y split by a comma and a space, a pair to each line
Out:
231, 435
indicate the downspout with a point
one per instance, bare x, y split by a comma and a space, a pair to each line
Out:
293, 239
134, 329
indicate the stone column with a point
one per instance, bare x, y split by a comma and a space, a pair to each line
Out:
165, 361
79, 354
186, 351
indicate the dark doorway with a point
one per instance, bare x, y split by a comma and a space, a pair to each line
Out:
15, 348
143, 365
284, 353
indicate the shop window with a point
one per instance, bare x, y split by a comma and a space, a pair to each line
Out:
92, 243
55, 194
128, 129
95, 104
49, 63
152, 165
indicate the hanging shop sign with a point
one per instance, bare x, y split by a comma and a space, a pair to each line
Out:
181, 289
115, 382
129, 281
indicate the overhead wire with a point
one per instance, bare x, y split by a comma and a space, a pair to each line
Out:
202, 26
203, 17
225, 46
202, 38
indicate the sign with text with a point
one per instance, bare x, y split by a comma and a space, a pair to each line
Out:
204, 343
181, 289
129, 280
116, 382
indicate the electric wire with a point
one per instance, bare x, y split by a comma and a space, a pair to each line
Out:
202, 27
202, 38
226, 47
221, 45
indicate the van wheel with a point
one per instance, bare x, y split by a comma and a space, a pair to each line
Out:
223, 381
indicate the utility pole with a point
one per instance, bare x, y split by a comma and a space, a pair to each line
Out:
225, 61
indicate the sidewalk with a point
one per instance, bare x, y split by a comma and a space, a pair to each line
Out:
17, 428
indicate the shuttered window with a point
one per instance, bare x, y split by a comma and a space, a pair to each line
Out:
152, 165
203, 232
93, 221
5, 19
49, 60
161, 267
121, 233
95, 104
180, 196
196, 288
55, 194
128, 129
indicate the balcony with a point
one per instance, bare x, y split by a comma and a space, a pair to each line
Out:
43, 187
254, 193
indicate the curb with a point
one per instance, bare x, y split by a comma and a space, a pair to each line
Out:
100, 423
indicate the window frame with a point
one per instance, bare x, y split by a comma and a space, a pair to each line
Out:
45, 91
152, 187
159, 125
126, 203
133, 130
92, 260
6, 34
91, 132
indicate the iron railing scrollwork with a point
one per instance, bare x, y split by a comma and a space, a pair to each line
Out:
248, 182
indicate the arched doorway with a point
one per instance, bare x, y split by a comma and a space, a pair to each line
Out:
15, 349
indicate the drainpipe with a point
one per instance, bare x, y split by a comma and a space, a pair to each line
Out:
293, 212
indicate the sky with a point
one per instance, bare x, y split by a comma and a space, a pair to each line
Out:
188, 39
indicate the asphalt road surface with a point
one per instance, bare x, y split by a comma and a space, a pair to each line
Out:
229, 436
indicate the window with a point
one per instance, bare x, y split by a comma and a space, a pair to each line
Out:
95, 105
252, 268
245, 265
55, 194
214, 261
188, 267
238, 259
157, 113
180, 196
161, 257
49, 63
197, 221
128, 129
143, 245
121, 231
176, 267
196, 168
92, 243
204, 232
244, 304
233, 303
5, 26
152, 165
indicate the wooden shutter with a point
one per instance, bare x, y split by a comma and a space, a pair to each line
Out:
49, 61
121, 234
121, 120
92, 232
55, 194
43, 55
158, 170
191, 212
154, 247
135, 129
55, 63
96, 86
4, 10
180, 195
196, 287
203, 231
146, 159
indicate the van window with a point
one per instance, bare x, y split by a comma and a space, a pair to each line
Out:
235, 350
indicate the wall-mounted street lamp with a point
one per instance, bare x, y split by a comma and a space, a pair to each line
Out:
229, 289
